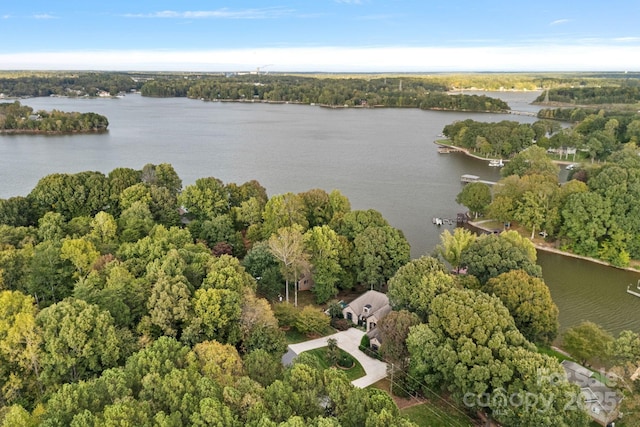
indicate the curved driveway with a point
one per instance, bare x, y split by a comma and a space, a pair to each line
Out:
349, 341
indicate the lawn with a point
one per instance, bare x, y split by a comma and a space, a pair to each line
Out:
293, 336
550, 352
357, 371
430, 414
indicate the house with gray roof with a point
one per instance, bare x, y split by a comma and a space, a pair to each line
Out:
367, 310
600, 402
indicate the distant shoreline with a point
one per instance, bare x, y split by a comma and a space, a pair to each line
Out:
475, 156
547, 248
46, 133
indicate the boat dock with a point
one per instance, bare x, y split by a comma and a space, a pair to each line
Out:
446, 150
467, 178
634, 293
461, 218
523, 113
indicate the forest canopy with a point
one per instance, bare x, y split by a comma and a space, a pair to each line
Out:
18, 118
128, 294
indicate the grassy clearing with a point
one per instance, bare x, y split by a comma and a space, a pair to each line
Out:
551, 352
436, 413
293, 336
430, 414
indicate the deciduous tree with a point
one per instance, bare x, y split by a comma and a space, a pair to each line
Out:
533, 160
492, 254
394, 330
20, 341
453, 244
263, 266
284, 210
416, 283
82, 254
311, 321
169, 305
353, 223
205, 199
476, 196
287, 245
323, 246
587, 342
378, 253
584, 236
220, 362
529, 302
79, 341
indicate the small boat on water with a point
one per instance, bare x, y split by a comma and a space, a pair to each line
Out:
496, 163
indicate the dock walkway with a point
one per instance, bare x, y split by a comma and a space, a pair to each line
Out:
467, 178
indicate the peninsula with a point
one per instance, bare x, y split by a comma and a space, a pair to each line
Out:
16, 118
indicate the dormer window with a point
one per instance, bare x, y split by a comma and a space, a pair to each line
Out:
366, 309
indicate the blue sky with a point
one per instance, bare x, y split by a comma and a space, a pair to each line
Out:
321, 35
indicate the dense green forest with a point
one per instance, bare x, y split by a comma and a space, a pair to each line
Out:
594, 214
578, 114
379, 92
406, 91
627, 94
130, 282
20, 85
600, 223
16, 118
596, 135
126, 298
28, 83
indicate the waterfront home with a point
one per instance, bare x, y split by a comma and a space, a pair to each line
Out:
600, 402
367, 310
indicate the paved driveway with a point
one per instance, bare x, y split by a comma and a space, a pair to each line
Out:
349, 341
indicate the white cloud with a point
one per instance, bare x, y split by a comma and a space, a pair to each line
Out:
375, 17
44, 16
627, 39
223, 13
340, 59
560, 21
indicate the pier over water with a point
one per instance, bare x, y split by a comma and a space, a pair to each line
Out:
467, 178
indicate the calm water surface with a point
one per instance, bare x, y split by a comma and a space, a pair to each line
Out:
383, 159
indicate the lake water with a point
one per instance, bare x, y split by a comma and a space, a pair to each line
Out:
382, 159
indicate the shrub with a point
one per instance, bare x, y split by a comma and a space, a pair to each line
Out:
340, 324
335, 310
286, 314
311, 321
365, 341
345, 361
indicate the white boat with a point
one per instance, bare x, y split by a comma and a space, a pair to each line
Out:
496, 163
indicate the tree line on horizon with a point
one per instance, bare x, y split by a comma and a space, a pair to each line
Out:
373, 92
89, 83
